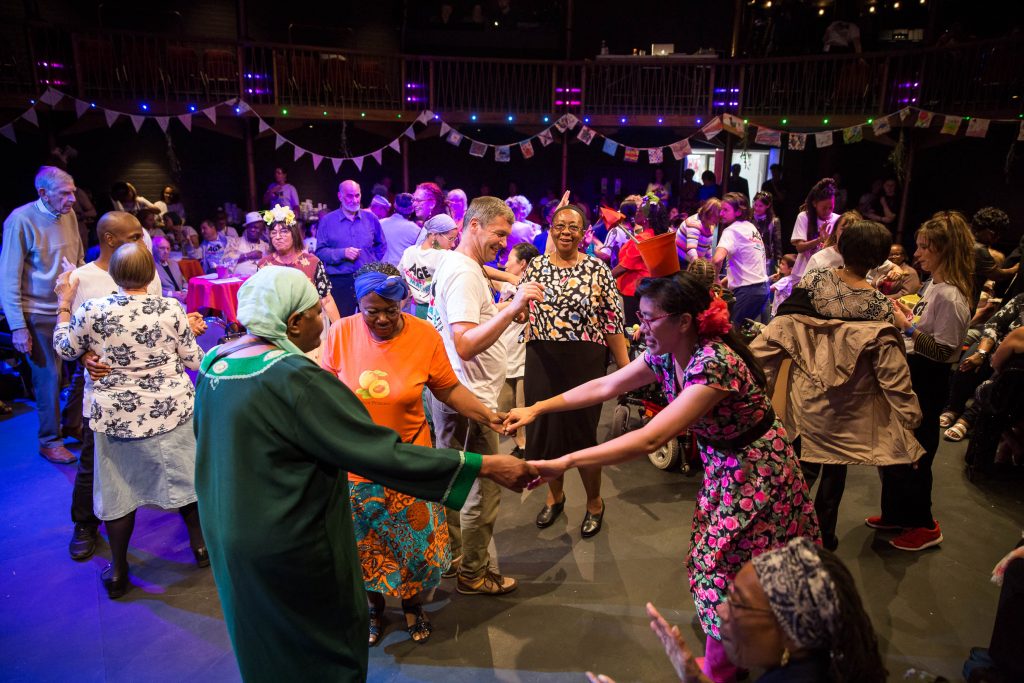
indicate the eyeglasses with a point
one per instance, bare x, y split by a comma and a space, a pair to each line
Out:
280, 231
389, 313
736, 604
647, 321
562, 227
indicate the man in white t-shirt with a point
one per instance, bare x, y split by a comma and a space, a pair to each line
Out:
113, 229
251, 247
465, 314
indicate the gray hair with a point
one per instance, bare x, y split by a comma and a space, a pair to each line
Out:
486, 210
458, 193
48, 177
521, 202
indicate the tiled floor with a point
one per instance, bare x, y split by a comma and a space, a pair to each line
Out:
579, 605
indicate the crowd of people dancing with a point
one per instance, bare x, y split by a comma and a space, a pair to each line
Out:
354, 422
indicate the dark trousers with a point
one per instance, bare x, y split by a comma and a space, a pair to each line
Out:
907, 489
1006, 632
962, 386
750, 302
71, 416
343, 289
81, 494
829, 495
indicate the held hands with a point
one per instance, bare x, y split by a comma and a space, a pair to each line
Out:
497, 422
547, 470
196, 323
508, 471
527, 292
518, 417
96, 369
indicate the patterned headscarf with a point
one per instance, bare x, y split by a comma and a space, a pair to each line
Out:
269, 297
801, 593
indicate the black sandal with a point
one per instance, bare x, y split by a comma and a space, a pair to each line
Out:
421, 630
376, 625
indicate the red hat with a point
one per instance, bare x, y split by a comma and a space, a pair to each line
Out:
611, 217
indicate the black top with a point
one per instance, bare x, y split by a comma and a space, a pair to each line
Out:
811, 670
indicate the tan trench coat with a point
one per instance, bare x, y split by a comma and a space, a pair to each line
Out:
844, 387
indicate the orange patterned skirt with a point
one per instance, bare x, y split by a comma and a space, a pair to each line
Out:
402, 540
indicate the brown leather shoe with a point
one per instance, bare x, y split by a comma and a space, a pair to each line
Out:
58, 455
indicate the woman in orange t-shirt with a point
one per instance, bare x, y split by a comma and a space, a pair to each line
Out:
387, 357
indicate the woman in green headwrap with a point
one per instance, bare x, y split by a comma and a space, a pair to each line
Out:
274, 436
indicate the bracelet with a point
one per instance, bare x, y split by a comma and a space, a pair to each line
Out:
63, 310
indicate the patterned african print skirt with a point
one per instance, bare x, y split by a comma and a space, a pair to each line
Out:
402, 540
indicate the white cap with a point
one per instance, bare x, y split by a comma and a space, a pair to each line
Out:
253, 217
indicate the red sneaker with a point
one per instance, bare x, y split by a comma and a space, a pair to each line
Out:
877, 523
918, 539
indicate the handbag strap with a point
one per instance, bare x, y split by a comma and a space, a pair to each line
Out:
231, 349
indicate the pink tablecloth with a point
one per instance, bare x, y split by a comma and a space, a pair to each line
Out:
222, 295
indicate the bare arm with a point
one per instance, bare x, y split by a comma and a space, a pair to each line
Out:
804, 245
330, 308
465, 403
721, 253
471, 338
1011, 345
617, 345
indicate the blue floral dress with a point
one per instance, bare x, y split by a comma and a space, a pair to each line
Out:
753, 499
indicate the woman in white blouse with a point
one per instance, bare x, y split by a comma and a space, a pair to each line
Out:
141, 412
814, 224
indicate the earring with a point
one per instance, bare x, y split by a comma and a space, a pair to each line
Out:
785, 657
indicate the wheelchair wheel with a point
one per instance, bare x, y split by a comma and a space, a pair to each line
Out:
667, 457
620, 422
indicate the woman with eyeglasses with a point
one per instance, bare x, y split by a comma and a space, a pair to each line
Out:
753, 497
387, 358
419, 261
287, 249
569, 336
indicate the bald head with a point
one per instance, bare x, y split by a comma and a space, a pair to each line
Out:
350, 196
115, 228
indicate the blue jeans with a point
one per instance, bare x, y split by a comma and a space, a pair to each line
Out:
750, 302
46, 368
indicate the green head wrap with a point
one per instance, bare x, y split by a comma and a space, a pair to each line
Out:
269, 297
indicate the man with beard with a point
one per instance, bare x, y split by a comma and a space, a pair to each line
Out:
347, 239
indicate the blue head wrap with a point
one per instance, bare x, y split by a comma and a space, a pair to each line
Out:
390, 287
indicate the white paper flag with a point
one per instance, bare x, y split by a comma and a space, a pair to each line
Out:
31, 116
378, 155
977, 128
545, 137
680, 149
571, 121
8, 132
477, 149
186, 120
823, 139
358, 162
317, 158
298, 153
655, 155
263, 126
454, 137
211, 113
51, 97
503, 153
278, 141
81, 107
137, 121
111, 116
395, 145
162, 121
336, 163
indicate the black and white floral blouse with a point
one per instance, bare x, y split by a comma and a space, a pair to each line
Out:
581, 303
147, 342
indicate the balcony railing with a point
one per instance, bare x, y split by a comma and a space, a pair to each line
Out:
982, 78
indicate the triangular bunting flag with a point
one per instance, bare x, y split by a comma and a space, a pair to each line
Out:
477, 149
904, 113
8, 132
316, 160
545, 137
586, 135
571, 121
977, 128
336, 163
881, 126
632, 154
733, 124
262, 125
924, 119
424, 117
162, 121
410, 133
111, 116
712, 128
853, 134
609, 147
526, 147
81, 107
137, 121
454, 137
358, 161
797, 141
298, 153
377, 156
51, 97
823, 139
211, 113
503, 153
655, 155
767, 136
31, 116
445, 128
278, 141
951, 125
680, 149
186, 120
242, 106
395, 145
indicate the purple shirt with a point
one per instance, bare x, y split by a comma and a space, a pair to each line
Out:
336, 232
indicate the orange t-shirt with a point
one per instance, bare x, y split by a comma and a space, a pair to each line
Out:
389, 376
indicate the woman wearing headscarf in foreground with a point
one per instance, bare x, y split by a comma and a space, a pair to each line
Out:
275, 435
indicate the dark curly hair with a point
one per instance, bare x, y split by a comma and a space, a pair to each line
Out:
823, 189
990, 218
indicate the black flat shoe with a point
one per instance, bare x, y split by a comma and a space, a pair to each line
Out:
592, 523
116, 587
549, 513
202, 556
83, 542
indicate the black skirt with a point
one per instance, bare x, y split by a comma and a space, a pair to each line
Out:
552, 368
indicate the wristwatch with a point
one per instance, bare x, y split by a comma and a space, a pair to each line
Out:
983, 353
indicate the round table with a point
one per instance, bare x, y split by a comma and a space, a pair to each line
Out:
209, 291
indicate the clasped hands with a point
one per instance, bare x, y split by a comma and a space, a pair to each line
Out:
546, 470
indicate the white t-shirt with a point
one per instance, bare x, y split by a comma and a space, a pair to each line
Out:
800, 234
831, 258
95, 283
418, 266
511, 338
746, 254
244, 246
613, 242
944, 314
463, 295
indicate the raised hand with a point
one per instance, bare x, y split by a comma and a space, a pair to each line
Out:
675, 646
508, 471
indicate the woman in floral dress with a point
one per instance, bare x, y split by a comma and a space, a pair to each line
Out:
754, 497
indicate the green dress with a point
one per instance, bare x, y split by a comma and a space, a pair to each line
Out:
275, 435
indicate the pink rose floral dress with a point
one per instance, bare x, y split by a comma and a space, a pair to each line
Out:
754, 498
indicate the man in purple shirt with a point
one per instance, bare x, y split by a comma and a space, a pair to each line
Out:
347, 239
